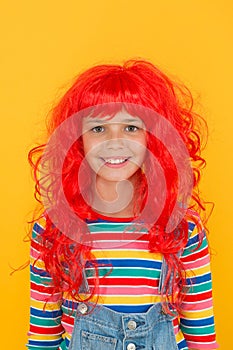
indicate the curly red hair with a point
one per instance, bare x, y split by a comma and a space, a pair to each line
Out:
140, 83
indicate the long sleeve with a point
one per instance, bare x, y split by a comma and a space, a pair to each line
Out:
197, 321
45, 312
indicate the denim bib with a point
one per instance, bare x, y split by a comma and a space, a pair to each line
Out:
100, 328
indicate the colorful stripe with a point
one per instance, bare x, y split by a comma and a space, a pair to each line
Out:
129, 278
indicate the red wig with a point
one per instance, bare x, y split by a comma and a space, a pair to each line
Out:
140, 83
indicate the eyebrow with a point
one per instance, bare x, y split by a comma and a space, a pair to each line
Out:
94, 120
102, 121
133, 120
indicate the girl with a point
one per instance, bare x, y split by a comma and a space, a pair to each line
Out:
119, 256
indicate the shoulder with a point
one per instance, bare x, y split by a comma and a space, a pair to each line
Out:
195, 224
38, 228
196, 230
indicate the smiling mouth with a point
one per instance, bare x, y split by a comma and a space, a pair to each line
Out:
115, 161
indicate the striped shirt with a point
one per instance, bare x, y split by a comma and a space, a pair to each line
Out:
128, 282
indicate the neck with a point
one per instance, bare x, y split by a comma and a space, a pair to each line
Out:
114, 199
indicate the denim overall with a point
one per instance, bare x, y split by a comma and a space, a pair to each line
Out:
100, 328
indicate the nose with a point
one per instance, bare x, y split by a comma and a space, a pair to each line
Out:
115, 138
115, 144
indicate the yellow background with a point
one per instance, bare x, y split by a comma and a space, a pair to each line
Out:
43, 45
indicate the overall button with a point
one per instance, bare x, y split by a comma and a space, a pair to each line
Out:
132, 325
131, 346
82, 308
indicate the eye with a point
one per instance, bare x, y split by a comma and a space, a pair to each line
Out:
131, 128
98, 129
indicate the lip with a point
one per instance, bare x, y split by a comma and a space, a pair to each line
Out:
123, 161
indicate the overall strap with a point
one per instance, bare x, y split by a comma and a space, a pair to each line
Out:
163, 275
84, 287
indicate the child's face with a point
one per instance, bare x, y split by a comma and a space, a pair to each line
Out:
114, 148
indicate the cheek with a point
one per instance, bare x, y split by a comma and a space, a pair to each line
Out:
86, 144
89, 144
140, 148
142, 153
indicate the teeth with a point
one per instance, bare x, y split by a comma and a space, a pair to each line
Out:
115, 161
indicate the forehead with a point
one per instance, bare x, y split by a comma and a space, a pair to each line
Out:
121, 117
